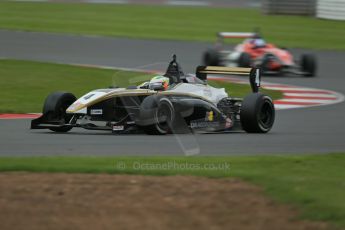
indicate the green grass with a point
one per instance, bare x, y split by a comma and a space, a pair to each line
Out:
177, 23
26, 84
314, 183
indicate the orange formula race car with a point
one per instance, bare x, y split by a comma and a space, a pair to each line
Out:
255, 52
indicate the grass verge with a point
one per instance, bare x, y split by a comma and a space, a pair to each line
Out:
315, 183
177, 23
25, 84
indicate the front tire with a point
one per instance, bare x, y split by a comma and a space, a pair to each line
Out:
244, 60
163, 118
308, 65
55, 107
257, 113
211, 58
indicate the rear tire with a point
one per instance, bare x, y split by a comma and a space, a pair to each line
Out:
257, 113
244, 60
55, 107
308, 65
211, 58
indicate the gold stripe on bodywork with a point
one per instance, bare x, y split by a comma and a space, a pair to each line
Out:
123, 93
223, 72
136, 92
227, 69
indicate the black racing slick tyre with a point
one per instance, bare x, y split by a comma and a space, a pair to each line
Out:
163, 116
257, 113
308, 65
244, 60
211, 58
55, 107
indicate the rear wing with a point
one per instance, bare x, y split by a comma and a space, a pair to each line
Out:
236, 35
224, 35
253, 74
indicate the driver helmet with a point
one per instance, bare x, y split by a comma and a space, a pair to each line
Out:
159, 80
259, 42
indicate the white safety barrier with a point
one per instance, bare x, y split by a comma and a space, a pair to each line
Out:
293, 7
331, 9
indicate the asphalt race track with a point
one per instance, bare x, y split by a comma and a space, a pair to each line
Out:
306, 130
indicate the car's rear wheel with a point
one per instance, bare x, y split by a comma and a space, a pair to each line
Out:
211, 58
244, 60
55, 107
257, 113
308, 65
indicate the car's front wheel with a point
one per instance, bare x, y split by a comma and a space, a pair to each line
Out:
211, 58
163, 117
308, 65
55, 107
257, 113
244, 60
